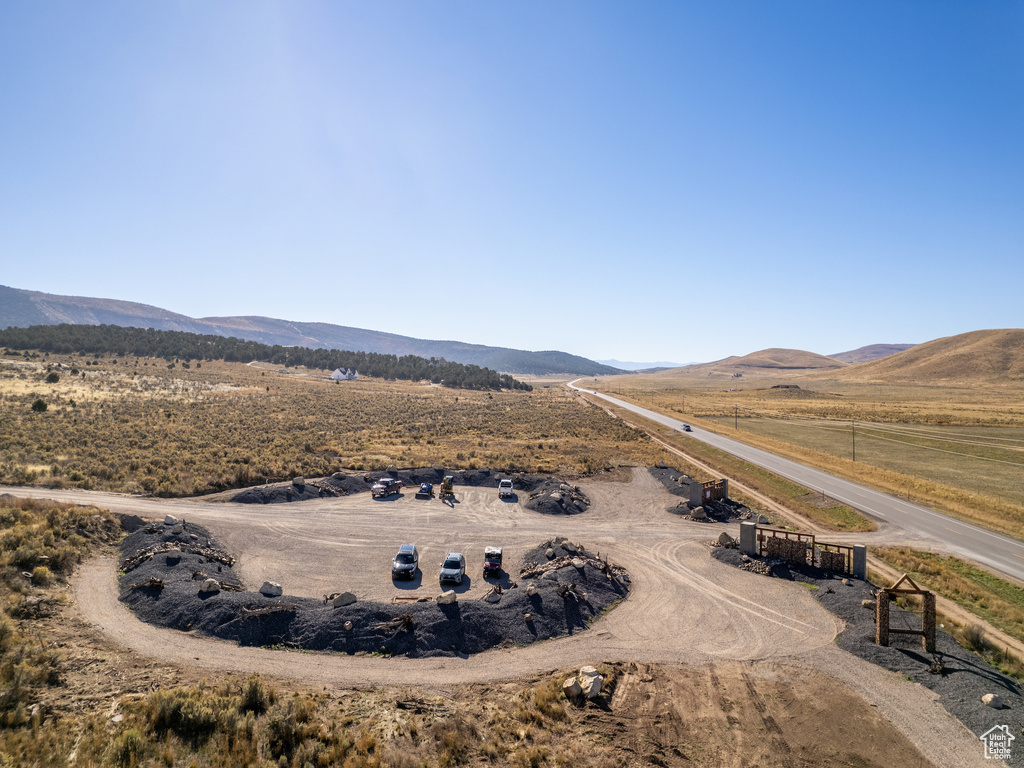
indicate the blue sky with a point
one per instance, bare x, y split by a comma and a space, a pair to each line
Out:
644, 181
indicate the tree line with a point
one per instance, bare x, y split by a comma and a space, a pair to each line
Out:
180, 345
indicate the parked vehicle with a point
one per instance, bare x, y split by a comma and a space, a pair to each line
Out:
447, 486
386, 486
426, 491
505, 489
686, 428
453, 568
492, 561
406, 562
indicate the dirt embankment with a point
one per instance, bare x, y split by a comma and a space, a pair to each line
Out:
561, 586
546, 494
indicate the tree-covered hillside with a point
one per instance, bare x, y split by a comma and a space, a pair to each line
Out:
171, 345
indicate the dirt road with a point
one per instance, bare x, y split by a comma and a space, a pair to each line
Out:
685, 607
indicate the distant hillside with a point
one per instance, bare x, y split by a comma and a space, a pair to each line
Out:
766, 362
992, 356
869, 353
20, 309
83, 338
629, 365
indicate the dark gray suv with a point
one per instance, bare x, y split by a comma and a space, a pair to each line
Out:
405, 563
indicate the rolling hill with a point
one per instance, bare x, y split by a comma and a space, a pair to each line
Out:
764, 363
20, 309
869, 353
990, 356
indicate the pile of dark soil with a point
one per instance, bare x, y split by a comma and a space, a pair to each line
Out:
675, 482
965, 676
678, 484
343, 484
553, 497
164, 589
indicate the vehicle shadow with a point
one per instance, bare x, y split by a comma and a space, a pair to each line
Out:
513, 499
502, 580
467, 582
392, 497
414, 583
449, 501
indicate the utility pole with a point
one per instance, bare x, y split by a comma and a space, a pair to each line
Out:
853, 435
736, 417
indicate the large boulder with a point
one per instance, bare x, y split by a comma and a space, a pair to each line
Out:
170, 520
345, 598
725, 540
270, 589
173, 556
571, 688
299, 481
993, 700
698, 513
590, 682
209, 586
446, 598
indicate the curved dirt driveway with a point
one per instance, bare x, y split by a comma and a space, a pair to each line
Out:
685, 607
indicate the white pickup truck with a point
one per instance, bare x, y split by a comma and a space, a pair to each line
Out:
505, 489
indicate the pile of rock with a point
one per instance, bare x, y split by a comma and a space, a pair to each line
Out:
754, 565
554, 498
586, 684
725, 540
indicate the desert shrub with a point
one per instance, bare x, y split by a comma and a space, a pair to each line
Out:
456, 738
53, 378
189, 714
127, 749
548, 700
41, 576
39, 405
289, 725
974, 638
256, 697
8, 632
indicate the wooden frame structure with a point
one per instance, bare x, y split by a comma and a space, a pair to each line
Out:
886, 594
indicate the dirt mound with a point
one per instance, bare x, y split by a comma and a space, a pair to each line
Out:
678, 484
553, 497
344, 484
164, 567
965, 677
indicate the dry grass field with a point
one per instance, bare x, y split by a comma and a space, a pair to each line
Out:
144, 425
956, 446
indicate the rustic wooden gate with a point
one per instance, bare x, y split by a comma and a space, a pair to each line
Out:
882, 629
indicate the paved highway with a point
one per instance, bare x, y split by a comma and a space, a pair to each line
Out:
994, 550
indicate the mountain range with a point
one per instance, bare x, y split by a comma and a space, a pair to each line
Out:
987, 355
21, 308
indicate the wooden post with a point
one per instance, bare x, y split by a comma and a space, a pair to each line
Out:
882, 619
929, 622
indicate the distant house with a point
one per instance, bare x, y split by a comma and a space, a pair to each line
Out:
345, 374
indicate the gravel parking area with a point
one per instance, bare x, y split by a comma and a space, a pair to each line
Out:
165, 566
